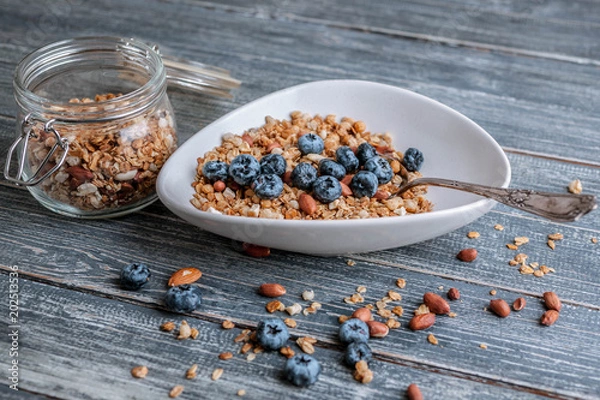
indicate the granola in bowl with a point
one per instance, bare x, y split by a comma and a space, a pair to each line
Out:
296, 201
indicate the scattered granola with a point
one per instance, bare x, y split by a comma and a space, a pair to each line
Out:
392, 323
291, 323
259, 142
575, 186
308, 295
293, 309
287, 351
432, 339
139, 372
483, 346
351, 263
493, 292
473, 235
216, 374
176, 391
241, 392
594, 240
551, 244
361, 289
185, 331
227, 324
306, 344
401, 283
167, 326
275, 305
194, 333
243, 336
246, 348
191, 372
362, 372
250, 357
225, 355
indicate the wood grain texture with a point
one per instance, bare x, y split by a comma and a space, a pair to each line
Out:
101, 340
543, 29
526, 103
86, 256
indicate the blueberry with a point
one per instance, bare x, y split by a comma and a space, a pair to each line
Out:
134, 276
244, 169
183, 298
310, 143
326, 189
358, 351
267, 186
304, 175
272, 333
330, 167
215, 170
413, 159
302, 370
345, 156
273, 164
365, 152
354, 330
364, 183
381, 168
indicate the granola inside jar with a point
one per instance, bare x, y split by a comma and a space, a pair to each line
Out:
95, 126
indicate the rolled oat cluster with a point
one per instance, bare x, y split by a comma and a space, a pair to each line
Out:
282, 137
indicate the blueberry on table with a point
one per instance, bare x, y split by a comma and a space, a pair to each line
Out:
345, 156
273, 164
272, 333
413, 159
183, 298
365, 152
215, 171
310, 144
364, 183
304, 175
330, 167
267, 186
354, 330
302, 370
326, 189
244, 169
358, 351
134, 276
381, 168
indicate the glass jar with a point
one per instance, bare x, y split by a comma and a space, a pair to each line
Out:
95, 126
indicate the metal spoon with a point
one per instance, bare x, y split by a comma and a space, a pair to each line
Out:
559, 207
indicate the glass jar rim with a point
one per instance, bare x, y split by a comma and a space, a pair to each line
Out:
125, 105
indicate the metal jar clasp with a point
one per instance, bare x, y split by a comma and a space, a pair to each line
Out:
27, 132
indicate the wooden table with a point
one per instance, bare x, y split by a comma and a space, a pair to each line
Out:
526, 70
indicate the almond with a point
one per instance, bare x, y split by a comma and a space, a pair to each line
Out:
500, 308
552, 301
307, 204
381, 195
346, 191
467, 255
79, 173
549, 317
185, 276
219, 186
377, 329
274, 145
422, 321
519, 304
436, 303
256, 251
287, 178
364, 314
347, 179
271, 290
453, 294
413, 392
248, 139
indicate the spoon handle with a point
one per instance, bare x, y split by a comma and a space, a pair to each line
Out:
559, 207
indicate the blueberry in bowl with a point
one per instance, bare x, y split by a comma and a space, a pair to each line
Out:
364, 183
346, 157
267, 186
381, 168
244, 169
304, 175
273, 164
330, 167
215, 170
310, 143
327, 189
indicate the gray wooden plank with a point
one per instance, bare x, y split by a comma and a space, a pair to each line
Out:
88, 254
109, 338
544, 29
9, 394
526, 103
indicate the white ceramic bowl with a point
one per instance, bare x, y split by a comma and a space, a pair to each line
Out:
454, 147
